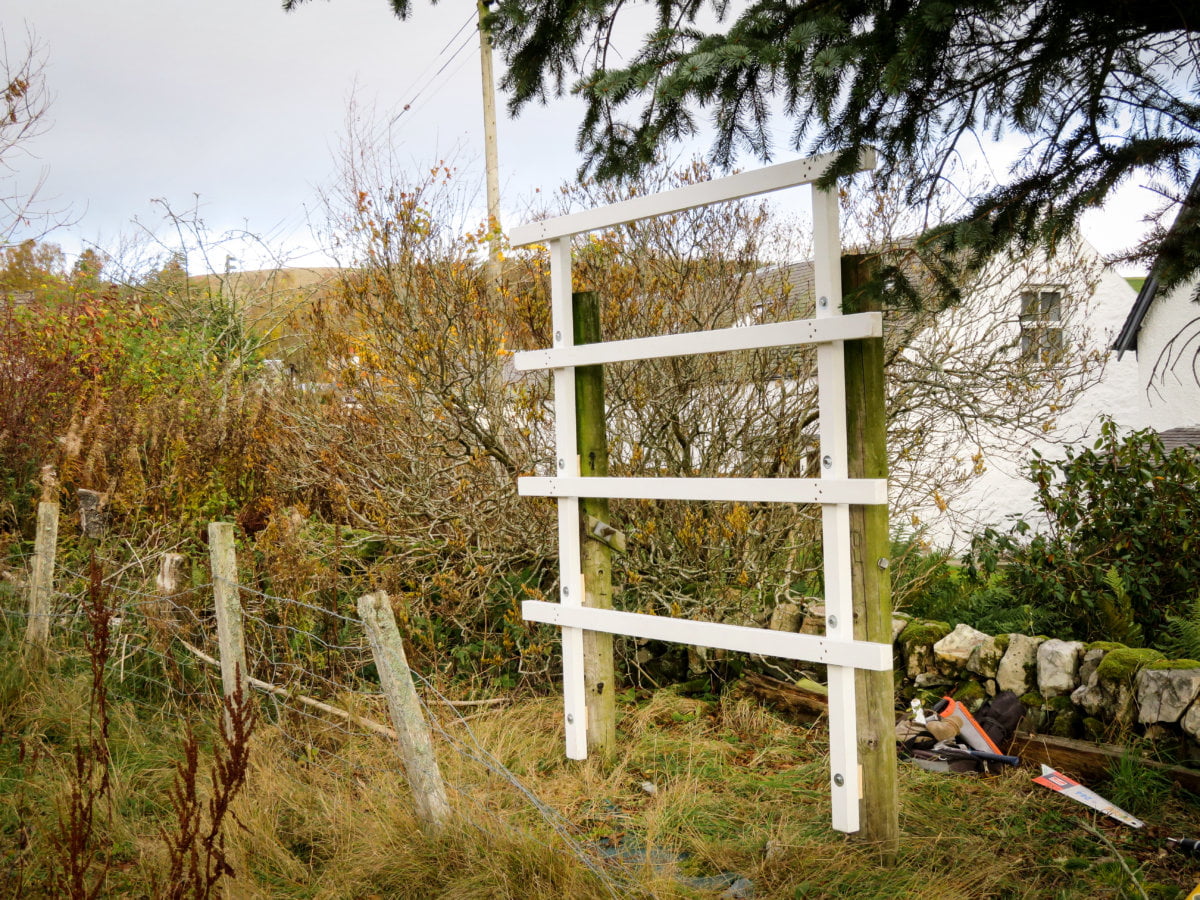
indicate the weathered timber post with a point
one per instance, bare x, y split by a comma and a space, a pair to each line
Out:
93, 518
599, 672
160, 616
870, 548
41, 583
234, 675
412, 731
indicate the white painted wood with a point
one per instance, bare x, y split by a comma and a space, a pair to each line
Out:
412, 730
763, 641
861, 491
833, 490
566, 463
845, 777
753, 337
732, 187
839, 604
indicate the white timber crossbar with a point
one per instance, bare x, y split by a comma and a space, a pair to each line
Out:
834, 491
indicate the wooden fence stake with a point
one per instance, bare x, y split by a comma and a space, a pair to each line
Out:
412, 731
41, 585
599, 671
230, 637
870, 548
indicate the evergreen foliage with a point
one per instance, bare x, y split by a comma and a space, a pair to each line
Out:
1102, 91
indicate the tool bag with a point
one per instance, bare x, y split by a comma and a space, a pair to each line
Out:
950, 729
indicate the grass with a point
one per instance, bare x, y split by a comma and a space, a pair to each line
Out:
699, 791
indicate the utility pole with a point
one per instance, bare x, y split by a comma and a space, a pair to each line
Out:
490, 156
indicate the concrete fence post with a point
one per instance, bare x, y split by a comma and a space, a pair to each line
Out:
235, 678
412, 731
41, 584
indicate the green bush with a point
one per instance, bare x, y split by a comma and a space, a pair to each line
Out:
1115, 556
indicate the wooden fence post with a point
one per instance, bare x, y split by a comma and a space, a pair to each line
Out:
599, 671
41, 584
870, 548
412, 731
234, 676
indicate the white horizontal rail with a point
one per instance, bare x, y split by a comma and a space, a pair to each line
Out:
752, 337
764, 641
856, 491
732, 187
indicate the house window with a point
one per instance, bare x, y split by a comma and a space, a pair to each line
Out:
1041, 325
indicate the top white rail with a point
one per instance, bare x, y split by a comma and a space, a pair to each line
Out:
732, 187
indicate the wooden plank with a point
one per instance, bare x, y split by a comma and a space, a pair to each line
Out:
1088, 762
719, 340
870, 548
570, 571
763, 641
835, 515
731, 187
746, 490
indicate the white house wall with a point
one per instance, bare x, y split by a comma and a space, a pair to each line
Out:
1168, 344
1001, 492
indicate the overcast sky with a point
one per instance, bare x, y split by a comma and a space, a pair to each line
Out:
243, 105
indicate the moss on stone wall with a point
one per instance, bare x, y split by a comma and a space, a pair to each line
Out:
923, 632
1174, 664
1122, 664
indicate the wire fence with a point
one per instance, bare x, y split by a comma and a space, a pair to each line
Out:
313, 667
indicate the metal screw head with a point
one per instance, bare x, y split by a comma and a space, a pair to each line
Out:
839, 780
884, 562
558, 335
827, 461
566, 591
571, 719
562, 463
832, 620
823, 302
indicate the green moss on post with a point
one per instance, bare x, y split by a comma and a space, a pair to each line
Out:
870, 547
599, 671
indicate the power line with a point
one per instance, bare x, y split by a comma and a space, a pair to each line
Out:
466, 42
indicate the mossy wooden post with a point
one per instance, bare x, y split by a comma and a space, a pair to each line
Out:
235, 679
599, 672
412, 731
866, 423
41, 582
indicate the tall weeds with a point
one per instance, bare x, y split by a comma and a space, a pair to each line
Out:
80, 840
196, 844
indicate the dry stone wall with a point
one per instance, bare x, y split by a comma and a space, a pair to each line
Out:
1096, 691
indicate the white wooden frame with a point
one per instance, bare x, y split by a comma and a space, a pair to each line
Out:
834, 490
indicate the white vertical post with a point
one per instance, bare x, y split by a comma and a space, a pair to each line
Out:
835, 517
566, 463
